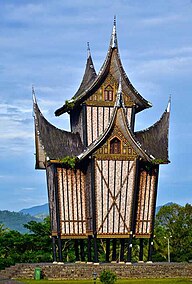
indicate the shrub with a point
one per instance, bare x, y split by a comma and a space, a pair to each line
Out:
108, 277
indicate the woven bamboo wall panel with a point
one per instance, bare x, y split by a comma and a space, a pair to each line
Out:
98, 118
114, 196
146, 198
71, 188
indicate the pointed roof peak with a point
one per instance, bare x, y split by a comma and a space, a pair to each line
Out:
33, 95
169, 105
113, 43
88, 50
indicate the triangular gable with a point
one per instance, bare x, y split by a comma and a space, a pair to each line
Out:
118, 124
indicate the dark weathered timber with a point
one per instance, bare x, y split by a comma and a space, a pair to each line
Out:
122, 248
82, 250
114, 249
84, 126
107, 250
76, 246
141, 250
54, 249
89, 255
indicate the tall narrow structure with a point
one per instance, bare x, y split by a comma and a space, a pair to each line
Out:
102, 176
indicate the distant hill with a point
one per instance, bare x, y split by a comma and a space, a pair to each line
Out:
159, 207
16, 220
40, 211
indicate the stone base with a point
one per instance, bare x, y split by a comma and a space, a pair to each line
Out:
70, 271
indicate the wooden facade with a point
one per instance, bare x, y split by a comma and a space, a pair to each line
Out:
102, 176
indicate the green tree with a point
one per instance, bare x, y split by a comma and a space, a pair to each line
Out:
174, 222
34, 247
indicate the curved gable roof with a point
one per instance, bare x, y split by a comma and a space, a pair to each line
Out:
113, 65
55, 142
155, 138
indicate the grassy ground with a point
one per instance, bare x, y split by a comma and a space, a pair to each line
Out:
127, 281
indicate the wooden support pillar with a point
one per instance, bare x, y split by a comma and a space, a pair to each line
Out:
54, 249
60, 249
114, 256
76, 245
122, 248
82, 252
95, 249
107, 249
129, 252
150, 249
89, 258
141, 250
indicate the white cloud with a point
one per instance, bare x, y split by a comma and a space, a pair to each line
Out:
164, 66
162, 20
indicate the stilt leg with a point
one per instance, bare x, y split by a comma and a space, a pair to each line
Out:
129, 252
60, 249
122, 242
54, 250
141, 250
150, 249
89, 249
114, 256
76, 244
82, 252
107, 249
95, 249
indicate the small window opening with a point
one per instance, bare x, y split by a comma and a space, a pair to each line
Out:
108, 93
115, 146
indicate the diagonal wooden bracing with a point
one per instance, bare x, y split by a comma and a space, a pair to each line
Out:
114, 184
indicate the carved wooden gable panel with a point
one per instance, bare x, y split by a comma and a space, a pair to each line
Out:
116, 148
106, 94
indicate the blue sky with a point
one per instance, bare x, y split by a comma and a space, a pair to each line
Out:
43, 43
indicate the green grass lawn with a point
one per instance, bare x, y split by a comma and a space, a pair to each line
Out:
126, 281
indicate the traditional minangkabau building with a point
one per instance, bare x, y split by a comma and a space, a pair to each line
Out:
102, 176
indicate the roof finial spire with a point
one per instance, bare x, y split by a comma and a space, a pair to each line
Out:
119, 101
169, 104
114, 34
114, 20
33, 94
88, 50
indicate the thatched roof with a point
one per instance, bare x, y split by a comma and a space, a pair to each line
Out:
155, 139
56, 143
